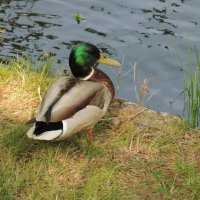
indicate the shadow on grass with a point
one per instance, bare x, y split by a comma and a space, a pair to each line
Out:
15, 142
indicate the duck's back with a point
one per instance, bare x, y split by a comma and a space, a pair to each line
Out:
69, 95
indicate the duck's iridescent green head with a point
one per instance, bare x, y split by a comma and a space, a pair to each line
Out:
84, 56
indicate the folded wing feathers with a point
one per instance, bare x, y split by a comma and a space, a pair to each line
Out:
98, 99
53, 95
64, 88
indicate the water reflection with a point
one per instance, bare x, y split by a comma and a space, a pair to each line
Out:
24, 28
90, 30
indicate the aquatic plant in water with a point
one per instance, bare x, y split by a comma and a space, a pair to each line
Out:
191, 91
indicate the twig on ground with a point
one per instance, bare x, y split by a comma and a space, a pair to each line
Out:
137, 114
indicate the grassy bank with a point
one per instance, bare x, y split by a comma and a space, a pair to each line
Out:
135, 155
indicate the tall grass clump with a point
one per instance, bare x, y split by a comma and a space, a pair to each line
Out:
33, 75
191, 90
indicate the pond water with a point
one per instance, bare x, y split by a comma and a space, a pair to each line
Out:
140, 31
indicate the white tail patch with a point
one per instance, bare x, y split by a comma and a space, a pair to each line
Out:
31, 131
48, 135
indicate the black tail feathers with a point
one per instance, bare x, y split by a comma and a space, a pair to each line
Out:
41, 127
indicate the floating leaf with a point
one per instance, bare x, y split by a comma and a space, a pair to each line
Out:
78, 17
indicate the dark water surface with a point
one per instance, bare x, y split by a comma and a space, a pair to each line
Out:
143, 31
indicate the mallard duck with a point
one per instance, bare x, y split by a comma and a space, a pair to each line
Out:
75, 103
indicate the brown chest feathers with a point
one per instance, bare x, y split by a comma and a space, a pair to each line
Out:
101, 77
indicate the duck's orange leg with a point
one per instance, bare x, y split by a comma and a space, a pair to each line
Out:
89, 131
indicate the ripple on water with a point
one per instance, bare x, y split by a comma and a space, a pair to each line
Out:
143, 31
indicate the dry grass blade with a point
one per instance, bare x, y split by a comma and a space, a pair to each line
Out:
143, 91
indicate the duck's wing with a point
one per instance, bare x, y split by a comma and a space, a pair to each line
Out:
67, 96
53, 94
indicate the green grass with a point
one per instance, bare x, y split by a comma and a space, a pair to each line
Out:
152, 156
191, 88
31, 75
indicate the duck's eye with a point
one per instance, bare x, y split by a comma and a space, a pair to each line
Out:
90, 50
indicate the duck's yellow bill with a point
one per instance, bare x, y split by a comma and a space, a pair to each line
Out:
108, 61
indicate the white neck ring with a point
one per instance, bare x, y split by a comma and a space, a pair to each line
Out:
90, 75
